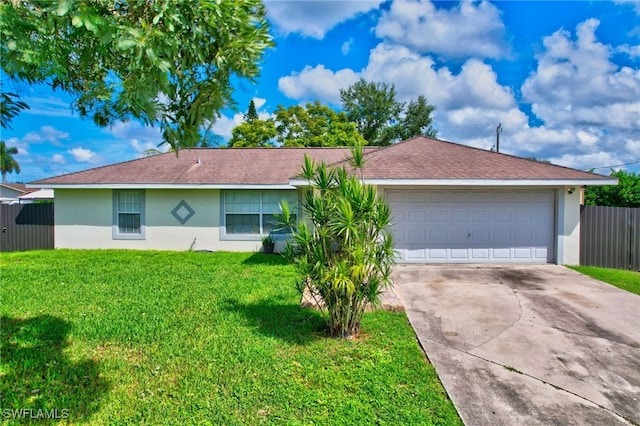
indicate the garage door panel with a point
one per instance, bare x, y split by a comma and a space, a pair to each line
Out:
501, 235
480, 254
435, 254
416, 216
522, 253
417, 237
457, 236
395, 196
459, 254
459, 216
501, 254
437, 236
416, 196
438, 216
415, 255
480, 216
501, 216
472, 226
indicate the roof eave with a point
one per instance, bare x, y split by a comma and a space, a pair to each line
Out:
159, 186
478, 182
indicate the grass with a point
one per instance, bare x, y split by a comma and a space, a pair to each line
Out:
626, 280
129, 337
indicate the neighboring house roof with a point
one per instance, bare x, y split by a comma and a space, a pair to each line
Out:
9, 192
416, 161
19, 187
40, 194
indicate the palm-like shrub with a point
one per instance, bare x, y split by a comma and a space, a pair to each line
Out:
341, 248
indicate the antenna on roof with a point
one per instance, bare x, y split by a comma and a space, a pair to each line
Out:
498, 131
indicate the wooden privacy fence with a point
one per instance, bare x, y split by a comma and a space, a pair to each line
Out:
26, 227
610, 237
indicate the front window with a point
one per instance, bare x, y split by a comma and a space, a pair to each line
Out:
252, 213
128, 214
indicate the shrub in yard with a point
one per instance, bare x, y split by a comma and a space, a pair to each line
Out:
342, 248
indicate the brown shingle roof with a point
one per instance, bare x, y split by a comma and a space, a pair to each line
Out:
269, 166
417, 158
425, 158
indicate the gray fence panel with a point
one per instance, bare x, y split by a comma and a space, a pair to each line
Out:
26, 227
610, 237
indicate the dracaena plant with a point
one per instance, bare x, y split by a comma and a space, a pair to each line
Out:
342, 248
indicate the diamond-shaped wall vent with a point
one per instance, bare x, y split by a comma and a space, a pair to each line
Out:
183, 212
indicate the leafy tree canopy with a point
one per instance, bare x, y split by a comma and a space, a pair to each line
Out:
380, 118
625, 194
165, 62
311, 125
417, 120
254, 133
314, 125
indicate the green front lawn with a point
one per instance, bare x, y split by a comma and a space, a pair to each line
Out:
197, 338
626, 280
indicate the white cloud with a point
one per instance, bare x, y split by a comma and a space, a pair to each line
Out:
469, 29
634, 3
259, 102
317, 83
476, 85
632, 51
140, 147
134, 130
600, 160
576, 88
589, 107
346, 46
46, 134
83, 155
58, 159
576, 76
314, 18
223, 125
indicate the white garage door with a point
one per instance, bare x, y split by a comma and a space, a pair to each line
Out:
472, 226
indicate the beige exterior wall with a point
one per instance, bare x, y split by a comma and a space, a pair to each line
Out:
568, 226
84, 220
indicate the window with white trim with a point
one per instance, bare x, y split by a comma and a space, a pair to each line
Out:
251, 213
128, 215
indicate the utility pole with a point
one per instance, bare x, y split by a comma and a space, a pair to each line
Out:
498, 131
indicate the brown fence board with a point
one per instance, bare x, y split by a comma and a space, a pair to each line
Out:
26, 227
610, 237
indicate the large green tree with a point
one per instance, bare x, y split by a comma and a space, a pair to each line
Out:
380, 118
374, 109
344, 256
165, 62
417, 120
8, 164
625, 194
254, 133
313, 125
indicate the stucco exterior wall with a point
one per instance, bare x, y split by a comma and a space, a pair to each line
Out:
568, 226
84, 220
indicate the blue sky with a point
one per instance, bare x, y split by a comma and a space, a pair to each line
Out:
563, 79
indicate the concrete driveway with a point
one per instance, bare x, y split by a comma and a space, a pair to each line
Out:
525, 345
